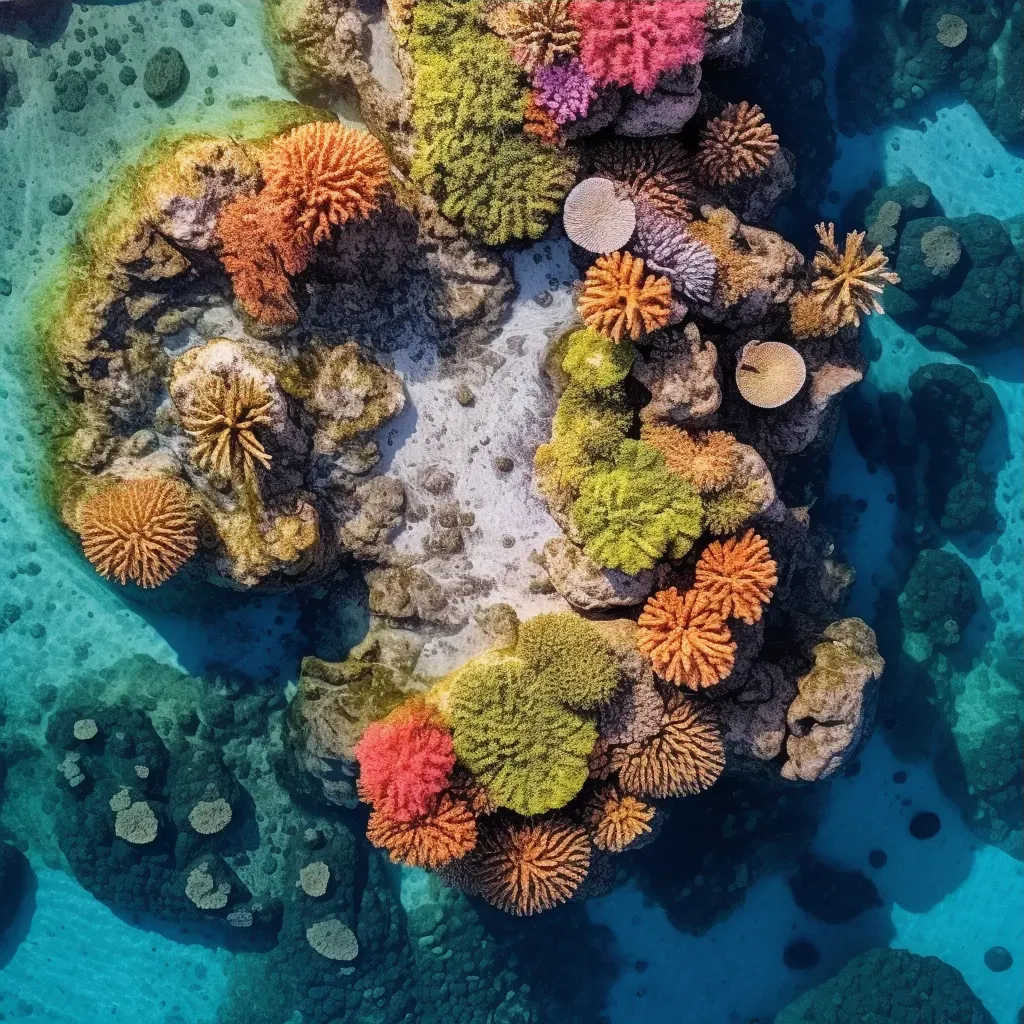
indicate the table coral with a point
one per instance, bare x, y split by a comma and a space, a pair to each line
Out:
738, 144
738, 576
618, 300
445, 834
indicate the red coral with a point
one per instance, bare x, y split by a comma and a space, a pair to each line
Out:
633, 42
404, 764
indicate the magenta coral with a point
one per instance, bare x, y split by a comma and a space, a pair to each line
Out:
634, 42
564, 90
671, 251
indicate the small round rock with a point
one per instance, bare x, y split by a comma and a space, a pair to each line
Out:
86, 729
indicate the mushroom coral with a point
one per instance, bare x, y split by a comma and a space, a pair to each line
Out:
738, 576
445, 834
617, 299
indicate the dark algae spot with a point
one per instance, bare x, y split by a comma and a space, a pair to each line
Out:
925, 825
166, 75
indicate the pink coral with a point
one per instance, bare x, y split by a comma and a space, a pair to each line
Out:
634, 42
404, 764
564, 90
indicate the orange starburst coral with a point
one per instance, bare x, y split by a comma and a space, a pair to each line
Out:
653, 171
738, 576
142, 530
617, 299
739, 144
430, 841
686, 638
539, 31
706, 461
527, 868
685, 757
617, 820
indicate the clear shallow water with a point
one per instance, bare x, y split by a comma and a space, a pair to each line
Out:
953, 897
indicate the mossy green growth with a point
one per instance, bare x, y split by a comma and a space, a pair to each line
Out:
632, 511
596, 363
516, 713
727, 511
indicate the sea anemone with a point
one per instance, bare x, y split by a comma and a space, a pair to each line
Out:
738, 576
686, 638
670, 250
654, 172
540, 32
617, 820
769, 374
447, 833
564, 90
739, 144
617, 299
706, 461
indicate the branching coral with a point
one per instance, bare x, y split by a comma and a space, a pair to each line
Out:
223, 421
595, 362
705, 461
539, 31
528, 868
654, 172
686, 638
617, 299
431, 841
632, 715
739, 144
143, 530
727, 511
634, 42
564, 90
669, 250
633, 511
404, 763
539, 123
738, 576
616, 820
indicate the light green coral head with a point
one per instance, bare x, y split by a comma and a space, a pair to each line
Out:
595, 362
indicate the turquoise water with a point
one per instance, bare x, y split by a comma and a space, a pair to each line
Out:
69, 958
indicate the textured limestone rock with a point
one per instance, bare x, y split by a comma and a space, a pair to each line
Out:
661, 113
398, 593
586, 585
754, 723
683, 380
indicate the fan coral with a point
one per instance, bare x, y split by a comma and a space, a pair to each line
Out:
941, 249
634, 42
670, 251
404, 764
686, 638
705, 461
446, 834
595, 362
616, 820
728, 511
528, 868
634, 511
770, 374
141, 530
685, 757
322, 175
739, 144
564, 90
222, 421
617, 298
738, 576
539, 31
596, 218
632, 715
655, 172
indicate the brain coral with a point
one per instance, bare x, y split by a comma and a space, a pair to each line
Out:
738, 576
617, 299
770, 374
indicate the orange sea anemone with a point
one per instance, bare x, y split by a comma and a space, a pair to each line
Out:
686, 638
738, 576
617, 299
618, 820
739, 144
705, 461
430, 841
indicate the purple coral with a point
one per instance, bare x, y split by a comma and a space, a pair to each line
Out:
564, 90
668, 249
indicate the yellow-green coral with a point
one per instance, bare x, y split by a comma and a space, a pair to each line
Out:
595, 362
727, 511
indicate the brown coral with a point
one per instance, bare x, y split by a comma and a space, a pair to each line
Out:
739, 271
141, 530
527, 868
617, 820
685, 757
223, 419
706, 461
539, 31
686, 638
617, 299
738, 576
739, 144
429, 841
653, 171
539, 122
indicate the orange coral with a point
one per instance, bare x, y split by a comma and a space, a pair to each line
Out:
738, 576
653, 171
686, 638
429, 841
617, 821
527, 868
141, 530
685, 757
617, 299
739, 271
739, 144
539, 122
706, 461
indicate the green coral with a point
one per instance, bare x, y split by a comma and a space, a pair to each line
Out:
728, 510
633, 511
595, 362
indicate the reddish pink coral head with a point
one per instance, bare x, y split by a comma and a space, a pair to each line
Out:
634, 42
404, 766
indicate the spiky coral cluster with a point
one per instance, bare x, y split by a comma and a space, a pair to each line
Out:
619, 300
564, 90
670, 250
738, 144
654, 172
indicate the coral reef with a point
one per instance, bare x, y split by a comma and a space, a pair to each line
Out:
738, 576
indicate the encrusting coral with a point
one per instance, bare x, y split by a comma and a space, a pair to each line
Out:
596, 363
686, 638
655, 172
618, 300
446, 833
738, 144
706, 461
143, 530
738, 576
617, 820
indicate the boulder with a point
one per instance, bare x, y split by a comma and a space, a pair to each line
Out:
682, 379
589, 587
661, 113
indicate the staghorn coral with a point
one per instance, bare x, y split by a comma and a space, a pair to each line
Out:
669, 250
404, 763
594, 362
564, 90
632, 512
526, 868
142, 530
222, 421
597, 218
727, 511
618, 299
685, 757
705, 461
738, 144
686, 638
654, 172
770, 374
634, 42
540, 32
447, 833
617, 820
738, 576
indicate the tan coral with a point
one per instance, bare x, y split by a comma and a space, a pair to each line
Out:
706, 461
617, 820
941, 249
539, 31
951, 30
739, 144
769, 374
597, 218
618, 300
653, 171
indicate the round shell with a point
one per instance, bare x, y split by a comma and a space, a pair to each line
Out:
770, 374
596, 218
